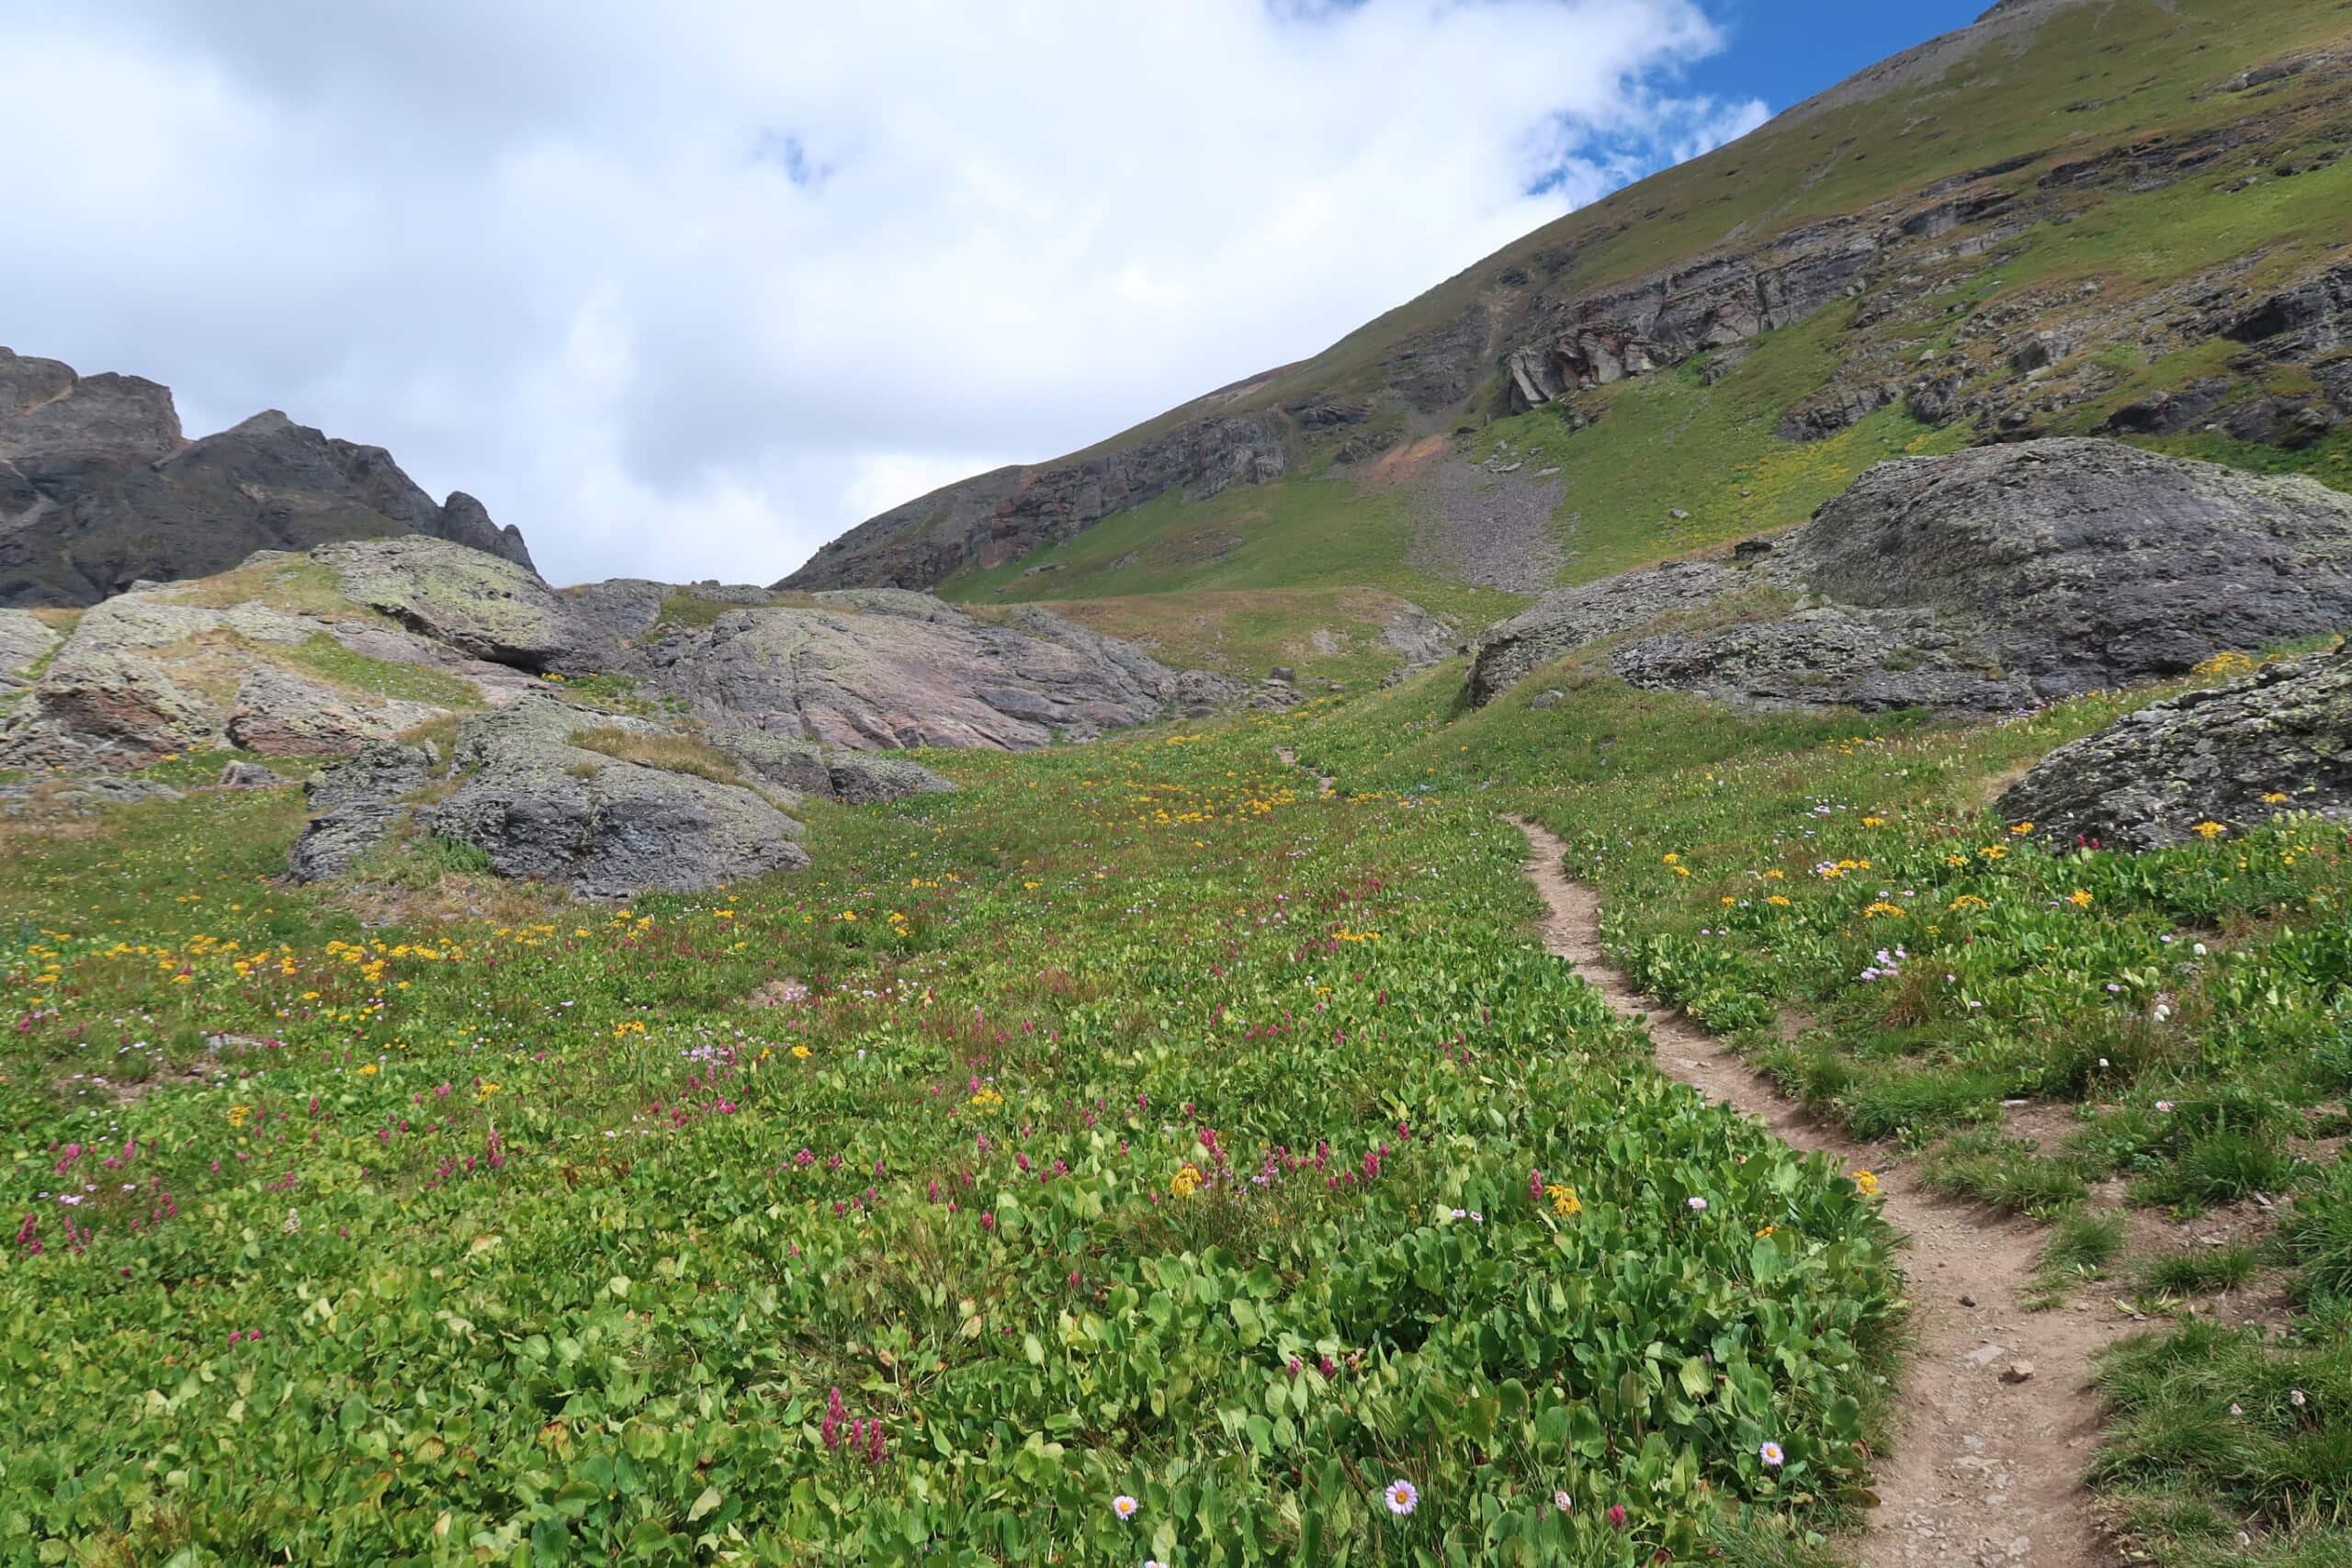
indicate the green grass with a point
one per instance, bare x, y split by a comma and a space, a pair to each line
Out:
2200, 1271
1305, 530
321, 655
441, 1209
1322, 634
2005, 1173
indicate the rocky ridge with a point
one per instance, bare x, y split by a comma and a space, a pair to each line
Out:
99, 490
1908, 269
1986, 581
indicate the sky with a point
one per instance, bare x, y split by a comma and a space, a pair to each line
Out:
685, 290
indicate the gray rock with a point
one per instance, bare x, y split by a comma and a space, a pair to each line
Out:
2149, 779
780, 759
355, 807
868, 780
25, 639
80, 796
490, 608
98, 490
1551, 698
249, 775
880, 670
2088, 563
282, 714
1562, 622
1989, 580
543, 808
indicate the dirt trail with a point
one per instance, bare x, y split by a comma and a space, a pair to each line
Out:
1987, 1470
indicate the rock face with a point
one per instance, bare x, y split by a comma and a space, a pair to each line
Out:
482, 606
1987, 580
25, 639
280, 714
98, 490
2212, 756
878, 667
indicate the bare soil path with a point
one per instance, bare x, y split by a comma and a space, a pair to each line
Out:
1998, 1417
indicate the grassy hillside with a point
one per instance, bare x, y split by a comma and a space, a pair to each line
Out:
2152, 178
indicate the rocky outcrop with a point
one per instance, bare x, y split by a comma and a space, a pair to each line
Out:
1985, 580
869, 781
542, 807
479, 604
25, 640
2235, 755
356, 806
1560, 623
280, 714
882, 668
2087, 563
99, 490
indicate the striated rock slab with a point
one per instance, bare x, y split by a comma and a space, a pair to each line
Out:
281, 715
878, 670
2279, 740
25, 639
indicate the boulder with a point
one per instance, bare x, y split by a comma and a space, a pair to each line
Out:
2087, 563
25, 639
483, 606
1985, 580
868, 780
1562, 622
543, 808
249, 775
878, 670
356, 804
2238, 754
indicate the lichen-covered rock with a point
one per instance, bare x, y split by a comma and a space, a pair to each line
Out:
1560, 623
1987, 580
868, 780
543, 808
25, 638
484, 607
355, 807
2091, 563
281, 715
2279, 740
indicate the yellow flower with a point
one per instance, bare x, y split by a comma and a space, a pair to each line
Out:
2273, 798
1186, 1181
1966, 901
1673, 859
369, 1071
1881, 907
802, 1052
1768, 1230
1564, 1201
2209, 830
1777, 900
1865, 1182
2022, 829
2080, 899
1873, 822
237, 1115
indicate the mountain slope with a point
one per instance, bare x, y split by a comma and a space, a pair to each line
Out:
2077, 216
98, 490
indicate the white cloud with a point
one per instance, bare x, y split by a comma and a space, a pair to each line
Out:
685, 289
